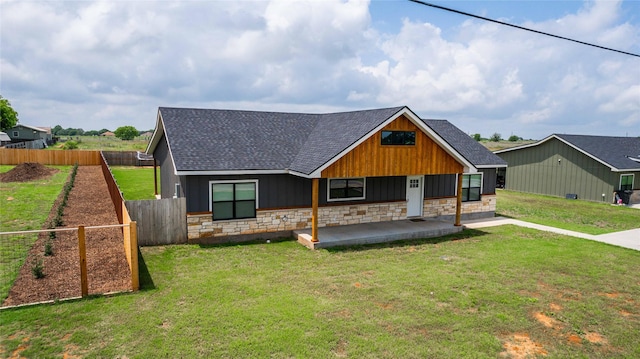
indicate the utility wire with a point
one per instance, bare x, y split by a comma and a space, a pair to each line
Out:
520, 27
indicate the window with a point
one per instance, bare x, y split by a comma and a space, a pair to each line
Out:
234, 200
343, 189
471, 187
16, 134
626, 182
176, 191
398, 137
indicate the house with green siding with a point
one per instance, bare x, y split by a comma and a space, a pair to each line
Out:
594, 168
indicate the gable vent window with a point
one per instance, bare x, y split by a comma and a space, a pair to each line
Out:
402, 138
234, 200
344, 189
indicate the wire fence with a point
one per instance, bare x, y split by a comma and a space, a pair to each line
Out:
54, 264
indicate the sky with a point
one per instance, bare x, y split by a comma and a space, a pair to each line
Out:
106, 64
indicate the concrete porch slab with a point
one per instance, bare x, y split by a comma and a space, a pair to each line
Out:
379, 232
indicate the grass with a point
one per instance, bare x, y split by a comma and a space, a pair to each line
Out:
23, 206
136, 183
455, 297
580, 216
106, 143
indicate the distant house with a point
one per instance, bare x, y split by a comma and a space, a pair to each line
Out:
146, 135
586, 167
33, 137
4, 139
249, 173
108, 134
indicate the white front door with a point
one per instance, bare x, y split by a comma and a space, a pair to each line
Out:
414, 196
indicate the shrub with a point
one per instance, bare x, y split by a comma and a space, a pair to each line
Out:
70, 145
48, 248
496, 137
37, 269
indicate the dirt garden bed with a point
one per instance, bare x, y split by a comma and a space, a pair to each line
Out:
89, 204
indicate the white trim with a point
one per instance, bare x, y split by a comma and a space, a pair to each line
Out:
364, 189
633, 179
176, 190
230, 182
491, 166
468, 166
230, 172
420, 189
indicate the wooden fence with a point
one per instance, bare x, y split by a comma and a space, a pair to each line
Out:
160, 222
125, 158
16, 156
130, 237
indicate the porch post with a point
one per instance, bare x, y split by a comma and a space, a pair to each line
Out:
314, 209
155, 178
459, 200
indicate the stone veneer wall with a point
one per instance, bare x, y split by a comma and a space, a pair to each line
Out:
446, 207
202, 226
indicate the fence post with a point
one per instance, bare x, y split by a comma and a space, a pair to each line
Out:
133, 243
83, 262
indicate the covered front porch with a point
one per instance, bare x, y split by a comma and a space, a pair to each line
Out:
377, 232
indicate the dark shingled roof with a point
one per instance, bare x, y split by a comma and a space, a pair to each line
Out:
469, 148
614, 151
232, 140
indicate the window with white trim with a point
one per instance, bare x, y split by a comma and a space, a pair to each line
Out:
471, 187
626, 182
233, 199
345, 189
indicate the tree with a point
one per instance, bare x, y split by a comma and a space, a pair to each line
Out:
126, 133
496, 137
477, 137
514, 138
8, 116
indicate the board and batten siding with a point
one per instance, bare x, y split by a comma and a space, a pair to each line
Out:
442, 186
167, 178
554, 168
287, 191
372, 159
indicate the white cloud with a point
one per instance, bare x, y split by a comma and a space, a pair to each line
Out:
98, 64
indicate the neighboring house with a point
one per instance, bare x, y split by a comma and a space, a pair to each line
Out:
4, 139
589, 167
108, 134
250, 173
36, 137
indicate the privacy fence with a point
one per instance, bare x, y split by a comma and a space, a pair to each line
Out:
14, 156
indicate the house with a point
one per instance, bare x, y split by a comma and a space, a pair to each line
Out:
35, 137
4, 139
108, 134
248, 173
576, 166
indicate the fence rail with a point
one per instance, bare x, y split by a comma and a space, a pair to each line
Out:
13, 156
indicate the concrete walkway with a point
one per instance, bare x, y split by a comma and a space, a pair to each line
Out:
627, 239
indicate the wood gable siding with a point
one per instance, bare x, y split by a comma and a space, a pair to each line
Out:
371, 159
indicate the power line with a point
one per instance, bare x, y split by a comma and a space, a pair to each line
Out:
520, 27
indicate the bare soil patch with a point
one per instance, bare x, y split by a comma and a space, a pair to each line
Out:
26, 172
89, 204
520, 346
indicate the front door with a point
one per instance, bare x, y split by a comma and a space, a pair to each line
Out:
414, 196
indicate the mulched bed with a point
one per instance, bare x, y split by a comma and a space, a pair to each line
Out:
89, 204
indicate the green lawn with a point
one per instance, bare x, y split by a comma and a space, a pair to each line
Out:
136, 183
470, 295
576, 215
24, 206
105, 143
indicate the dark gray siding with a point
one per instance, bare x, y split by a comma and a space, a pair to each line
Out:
437, 186
167, 177
286, 191
489, 178
556, 169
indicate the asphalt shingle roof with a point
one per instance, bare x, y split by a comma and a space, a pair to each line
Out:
232, 140
614, 151
469, 148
